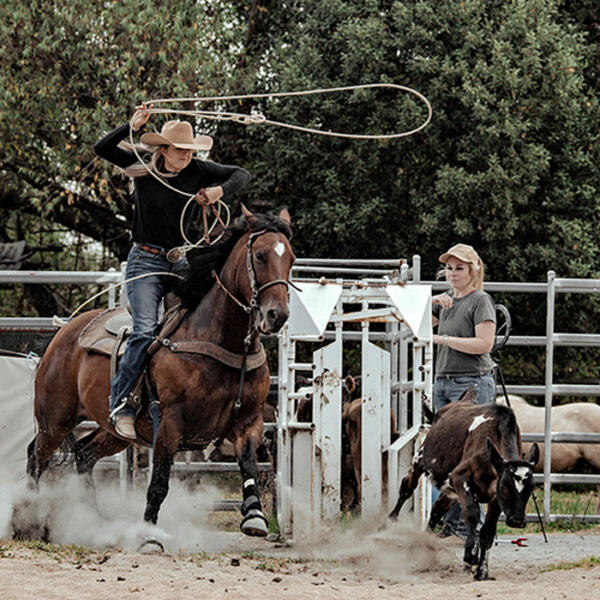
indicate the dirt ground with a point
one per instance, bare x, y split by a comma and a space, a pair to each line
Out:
372, 567
99, 552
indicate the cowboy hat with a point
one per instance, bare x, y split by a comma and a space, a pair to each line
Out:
179, 134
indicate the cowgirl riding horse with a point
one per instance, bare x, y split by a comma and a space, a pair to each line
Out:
156, 229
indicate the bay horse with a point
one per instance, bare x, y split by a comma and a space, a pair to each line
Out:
234, 291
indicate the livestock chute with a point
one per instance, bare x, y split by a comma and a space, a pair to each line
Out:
386, 325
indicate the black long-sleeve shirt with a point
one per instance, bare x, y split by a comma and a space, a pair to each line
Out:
157, 209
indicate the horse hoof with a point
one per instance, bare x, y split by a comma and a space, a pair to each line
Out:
151, 542
255, 524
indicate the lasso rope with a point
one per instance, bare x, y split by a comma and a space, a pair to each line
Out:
259, 119
59, 322
174, 254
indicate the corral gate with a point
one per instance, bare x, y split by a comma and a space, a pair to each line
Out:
391, 324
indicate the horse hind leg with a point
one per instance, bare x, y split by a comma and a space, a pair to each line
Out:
254, 521
30, 516
88, 450
40, 451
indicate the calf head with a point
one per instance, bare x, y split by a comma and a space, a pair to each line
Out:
515, 483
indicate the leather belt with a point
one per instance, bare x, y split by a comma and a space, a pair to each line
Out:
152, 250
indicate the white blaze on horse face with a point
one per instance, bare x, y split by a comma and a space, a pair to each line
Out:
521, 473
279, 248
477, 421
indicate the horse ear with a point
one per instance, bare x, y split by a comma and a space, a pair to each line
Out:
494, 456
534, 454
284, 215
250, 217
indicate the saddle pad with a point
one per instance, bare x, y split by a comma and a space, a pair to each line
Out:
99, 335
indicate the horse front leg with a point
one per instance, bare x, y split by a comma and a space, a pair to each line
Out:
254, 521
167, 442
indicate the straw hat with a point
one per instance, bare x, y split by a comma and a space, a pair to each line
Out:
179, 134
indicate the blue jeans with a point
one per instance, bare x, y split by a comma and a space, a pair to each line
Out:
445, 391
144, 296
450, 389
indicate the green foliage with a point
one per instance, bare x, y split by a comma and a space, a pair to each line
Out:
72, 70
510, 162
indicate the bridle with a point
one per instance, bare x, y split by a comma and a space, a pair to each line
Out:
255, 289
249, 309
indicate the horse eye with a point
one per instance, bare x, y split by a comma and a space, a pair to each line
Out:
260, 256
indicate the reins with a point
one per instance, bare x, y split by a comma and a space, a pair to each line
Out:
249, 309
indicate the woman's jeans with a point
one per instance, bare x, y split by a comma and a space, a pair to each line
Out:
445, 391
450, 389
144, 296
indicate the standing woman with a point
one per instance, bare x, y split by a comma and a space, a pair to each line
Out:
466, 318
156, 230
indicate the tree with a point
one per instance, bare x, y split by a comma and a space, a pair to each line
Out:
510, 162
71, 70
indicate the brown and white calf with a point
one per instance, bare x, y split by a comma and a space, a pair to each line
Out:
473, 454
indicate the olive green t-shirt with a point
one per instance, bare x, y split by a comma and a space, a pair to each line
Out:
460, 320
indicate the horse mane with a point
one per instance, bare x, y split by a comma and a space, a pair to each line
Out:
198, 279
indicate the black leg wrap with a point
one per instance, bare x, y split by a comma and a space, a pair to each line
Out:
254, 521
249, 503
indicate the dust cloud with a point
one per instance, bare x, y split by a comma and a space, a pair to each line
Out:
63, 512
398, 550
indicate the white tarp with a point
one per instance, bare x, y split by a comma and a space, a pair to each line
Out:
16, 414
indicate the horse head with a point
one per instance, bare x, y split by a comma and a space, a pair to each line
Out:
264, 257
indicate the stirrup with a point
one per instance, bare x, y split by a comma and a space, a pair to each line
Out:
114, 411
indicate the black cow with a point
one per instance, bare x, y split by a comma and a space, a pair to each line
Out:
473, 453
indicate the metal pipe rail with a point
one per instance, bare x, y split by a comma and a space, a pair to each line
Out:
554, 286
381, 268
34, 277
563, 437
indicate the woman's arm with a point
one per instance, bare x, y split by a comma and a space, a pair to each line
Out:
482, 343
108, 148
444, 301
231, 178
